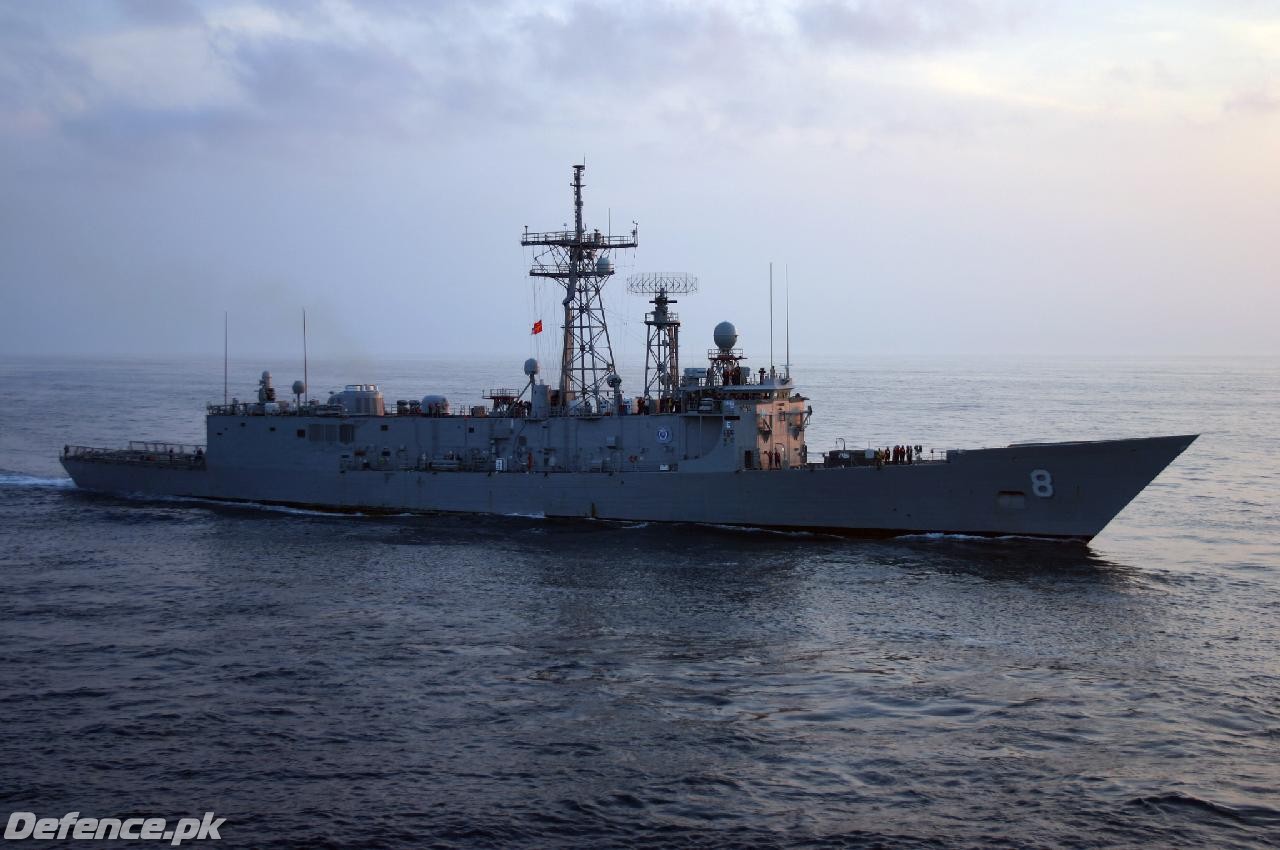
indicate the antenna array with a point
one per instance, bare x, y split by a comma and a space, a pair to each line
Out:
671, 283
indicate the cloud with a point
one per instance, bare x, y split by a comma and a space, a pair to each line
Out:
1153, 74
1255, 101
274, 79
159, 72
36, 76
885, 25
322, 82
346, 150
161, 13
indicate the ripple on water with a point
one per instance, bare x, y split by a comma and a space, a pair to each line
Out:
328, 680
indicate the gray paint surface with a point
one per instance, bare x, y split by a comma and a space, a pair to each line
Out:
612, 467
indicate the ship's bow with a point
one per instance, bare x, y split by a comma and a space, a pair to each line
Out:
1078, 488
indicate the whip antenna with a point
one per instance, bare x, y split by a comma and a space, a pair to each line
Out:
787, 273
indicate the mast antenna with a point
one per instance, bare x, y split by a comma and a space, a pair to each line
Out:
771, 369
226, 325
787, 272
305, 386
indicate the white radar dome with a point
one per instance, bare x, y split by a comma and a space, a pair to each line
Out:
299, 388
435, 405
531, 366
725, 335
603, 266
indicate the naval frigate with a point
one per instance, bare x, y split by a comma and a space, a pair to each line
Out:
714, 443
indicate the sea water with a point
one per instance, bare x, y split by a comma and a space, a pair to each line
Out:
334, 681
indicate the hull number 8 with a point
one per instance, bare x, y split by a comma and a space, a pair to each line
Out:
1041, 483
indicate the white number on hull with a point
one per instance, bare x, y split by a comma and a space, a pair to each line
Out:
1041, 483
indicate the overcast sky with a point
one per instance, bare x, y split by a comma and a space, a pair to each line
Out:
945, 176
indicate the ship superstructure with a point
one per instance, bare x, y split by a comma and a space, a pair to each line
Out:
715, 443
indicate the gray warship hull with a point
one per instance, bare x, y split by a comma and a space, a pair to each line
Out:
1054, 490
719, 443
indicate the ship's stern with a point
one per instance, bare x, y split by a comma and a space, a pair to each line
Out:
151, 469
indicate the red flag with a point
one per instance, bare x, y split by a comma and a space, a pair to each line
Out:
537, 327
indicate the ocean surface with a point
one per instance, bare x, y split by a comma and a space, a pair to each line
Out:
412, 681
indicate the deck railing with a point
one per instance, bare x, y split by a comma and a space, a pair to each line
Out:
143, 452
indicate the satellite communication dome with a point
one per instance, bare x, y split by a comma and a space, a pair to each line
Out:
603, 266
531, 366
299, 388
613, 380
726, 336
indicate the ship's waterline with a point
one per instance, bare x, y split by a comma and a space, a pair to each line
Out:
1069, 490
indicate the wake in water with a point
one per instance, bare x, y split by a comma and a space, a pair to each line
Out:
988, 538
755, 529
18, 479
245, 505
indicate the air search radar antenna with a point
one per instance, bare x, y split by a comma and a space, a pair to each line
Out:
662, 347
305, 377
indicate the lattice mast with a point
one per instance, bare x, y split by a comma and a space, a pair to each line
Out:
662, 347
580, 262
